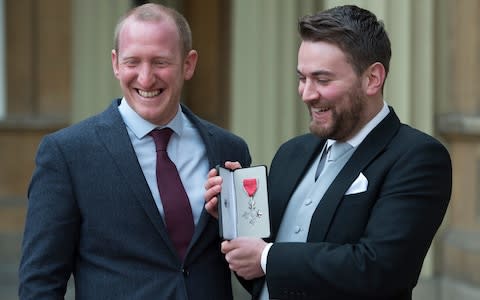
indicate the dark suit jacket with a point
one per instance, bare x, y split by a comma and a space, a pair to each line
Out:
91, 213
369, 245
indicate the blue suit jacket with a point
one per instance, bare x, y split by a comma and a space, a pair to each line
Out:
91, 214
367, 245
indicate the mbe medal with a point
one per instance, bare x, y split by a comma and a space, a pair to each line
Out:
250, 187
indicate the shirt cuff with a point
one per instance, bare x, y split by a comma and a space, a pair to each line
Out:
263, 258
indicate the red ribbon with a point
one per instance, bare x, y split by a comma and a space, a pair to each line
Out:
250, 186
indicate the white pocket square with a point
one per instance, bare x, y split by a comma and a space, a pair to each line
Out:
358, 186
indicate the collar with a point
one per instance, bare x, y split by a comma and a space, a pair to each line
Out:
141, 127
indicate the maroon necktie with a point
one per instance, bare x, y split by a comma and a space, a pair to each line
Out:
176, 206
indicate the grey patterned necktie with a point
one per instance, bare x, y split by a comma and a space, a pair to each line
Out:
330, 155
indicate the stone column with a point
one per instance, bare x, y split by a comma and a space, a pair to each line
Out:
3, 79
265, 107
459, 124
94, 85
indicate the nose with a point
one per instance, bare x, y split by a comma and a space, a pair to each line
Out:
145, 76
308, 90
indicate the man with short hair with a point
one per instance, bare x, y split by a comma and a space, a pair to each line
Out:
355, 204
99, 204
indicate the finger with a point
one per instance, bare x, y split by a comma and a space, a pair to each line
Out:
232, 165
212, 203
212, 173
213, 181
226, 247
212, 192
211, 207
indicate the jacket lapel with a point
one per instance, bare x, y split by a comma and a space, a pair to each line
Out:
113, 133
373, 145
206, 136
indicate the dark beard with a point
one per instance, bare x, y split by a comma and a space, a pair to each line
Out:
345, 123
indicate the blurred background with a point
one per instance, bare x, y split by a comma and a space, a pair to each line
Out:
55, 69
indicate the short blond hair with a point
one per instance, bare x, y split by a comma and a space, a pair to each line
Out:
157, 12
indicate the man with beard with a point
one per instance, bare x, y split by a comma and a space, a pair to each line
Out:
355, 204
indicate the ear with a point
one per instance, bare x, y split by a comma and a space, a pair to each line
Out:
115, 63
374, 77
189, 64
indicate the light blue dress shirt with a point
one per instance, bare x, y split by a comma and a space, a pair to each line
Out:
185, 148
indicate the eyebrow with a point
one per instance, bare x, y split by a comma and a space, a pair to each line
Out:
317, 73
127, 58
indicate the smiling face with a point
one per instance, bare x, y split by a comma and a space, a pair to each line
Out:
151, 68
332, 91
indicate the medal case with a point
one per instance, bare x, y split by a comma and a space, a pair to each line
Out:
243, 203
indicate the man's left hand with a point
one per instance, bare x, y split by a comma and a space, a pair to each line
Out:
243, 255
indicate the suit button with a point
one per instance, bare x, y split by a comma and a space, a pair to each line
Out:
298, 229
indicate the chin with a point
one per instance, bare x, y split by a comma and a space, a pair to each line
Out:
319, 131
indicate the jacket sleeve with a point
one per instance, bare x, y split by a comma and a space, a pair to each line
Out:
51, 227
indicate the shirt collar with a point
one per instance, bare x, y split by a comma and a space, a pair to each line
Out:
141, 127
